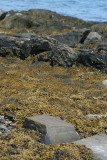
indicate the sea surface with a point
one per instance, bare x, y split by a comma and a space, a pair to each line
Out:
90, 10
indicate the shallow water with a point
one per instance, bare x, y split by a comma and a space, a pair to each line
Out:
94, 10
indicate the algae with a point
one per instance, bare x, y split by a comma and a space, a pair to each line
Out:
28, 88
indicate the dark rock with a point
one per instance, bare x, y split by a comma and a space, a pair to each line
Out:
102, 46
92, 37
73, 37
23, 47
104, 37
9, 117
2, 14
61, 55
95, 59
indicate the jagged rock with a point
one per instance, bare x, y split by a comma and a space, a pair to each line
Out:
73, 37
2, 14
61, 55
92, 37
53, 130
94, 59
23, 47
98, 144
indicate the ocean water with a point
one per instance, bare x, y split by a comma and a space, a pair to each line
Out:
90, 10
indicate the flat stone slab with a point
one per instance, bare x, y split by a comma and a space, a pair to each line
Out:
53, 130
98, 144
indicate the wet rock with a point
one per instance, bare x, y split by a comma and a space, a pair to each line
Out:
53, 130
94, 59
73, 37
98, 144
61, 55
2, 14
92, 37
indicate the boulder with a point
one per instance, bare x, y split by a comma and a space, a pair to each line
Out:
92, 37
98, 144
73, 37
61, 55
53, 130
23, 47
94, 59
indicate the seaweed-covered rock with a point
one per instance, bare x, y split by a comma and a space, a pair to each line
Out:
61, 55
23, 47
41, 22
101, 28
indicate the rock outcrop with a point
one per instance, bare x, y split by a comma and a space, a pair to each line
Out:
62, 55
23, 47
39, 21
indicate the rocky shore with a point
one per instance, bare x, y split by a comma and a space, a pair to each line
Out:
54, 65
